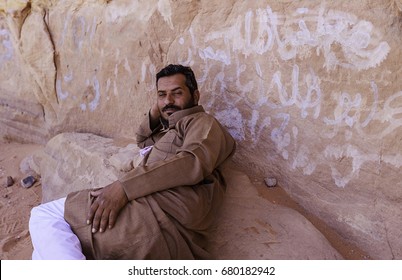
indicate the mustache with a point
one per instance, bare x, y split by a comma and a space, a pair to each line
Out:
167, 107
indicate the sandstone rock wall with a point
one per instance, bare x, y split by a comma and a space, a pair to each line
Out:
311, 90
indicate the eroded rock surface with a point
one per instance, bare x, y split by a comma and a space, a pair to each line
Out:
77, 161
250, 227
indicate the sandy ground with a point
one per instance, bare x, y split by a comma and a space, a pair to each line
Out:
16, 203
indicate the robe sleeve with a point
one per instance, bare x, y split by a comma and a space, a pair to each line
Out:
144, 135
206, 145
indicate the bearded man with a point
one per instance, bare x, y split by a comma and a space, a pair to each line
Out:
163, 208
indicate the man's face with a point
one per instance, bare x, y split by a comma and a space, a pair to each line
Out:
174, 95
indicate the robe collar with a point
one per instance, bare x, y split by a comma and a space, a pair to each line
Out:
176, 116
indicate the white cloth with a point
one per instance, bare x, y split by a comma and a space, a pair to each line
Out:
145, 151
52, 237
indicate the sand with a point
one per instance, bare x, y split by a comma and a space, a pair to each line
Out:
16, 203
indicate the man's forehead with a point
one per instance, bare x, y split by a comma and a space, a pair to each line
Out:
171, 82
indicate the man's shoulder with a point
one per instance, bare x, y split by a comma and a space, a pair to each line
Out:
190, 113
199, 120
200, 115
196, 115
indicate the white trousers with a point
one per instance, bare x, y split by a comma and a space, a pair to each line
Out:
52, 237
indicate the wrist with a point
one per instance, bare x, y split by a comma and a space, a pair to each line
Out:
153, 118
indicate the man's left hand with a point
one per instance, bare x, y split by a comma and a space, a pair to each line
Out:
106, 206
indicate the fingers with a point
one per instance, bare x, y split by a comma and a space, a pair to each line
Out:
107, 220
112, 219
96, 193
94, 206
95, 216
92, 211
104, 221
102, 218
105, 207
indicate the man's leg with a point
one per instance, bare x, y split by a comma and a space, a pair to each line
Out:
52, 237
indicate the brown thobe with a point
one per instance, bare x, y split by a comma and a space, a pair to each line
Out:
173, 195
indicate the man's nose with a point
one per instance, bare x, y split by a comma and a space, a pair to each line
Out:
169, 99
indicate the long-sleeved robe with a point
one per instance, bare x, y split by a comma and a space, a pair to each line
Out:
173, 195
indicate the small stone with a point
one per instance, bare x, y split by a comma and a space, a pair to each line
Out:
10, 181
28, 181
270, 182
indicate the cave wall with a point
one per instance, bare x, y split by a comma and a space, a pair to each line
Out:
311, 90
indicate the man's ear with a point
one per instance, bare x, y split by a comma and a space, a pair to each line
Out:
196, 96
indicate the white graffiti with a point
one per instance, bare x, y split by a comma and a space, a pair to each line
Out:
231, 118
361, 50
59, 91
276, 96
148, 73
81, 30
347, 104
219, 55
92, 94
280, 137
391, 113
358, 158
394, 160
307, 31
166, 11
264, 39
143, 10
312, 98
62, 95
6, 47
302, 159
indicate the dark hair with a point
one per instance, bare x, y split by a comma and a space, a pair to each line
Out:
173, 69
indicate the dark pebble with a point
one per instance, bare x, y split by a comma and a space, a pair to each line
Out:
10, 181
28, 181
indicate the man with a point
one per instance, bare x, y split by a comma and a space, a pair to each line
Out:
163, 208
